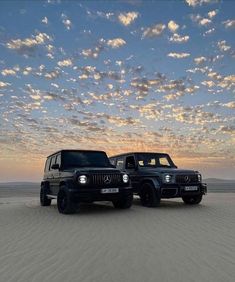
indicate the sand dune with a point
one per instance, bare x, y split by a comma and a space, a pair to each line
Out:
171, 243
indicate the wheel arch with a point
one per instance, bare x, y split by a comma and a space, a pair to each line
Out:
152, 180
45, 183
65, 184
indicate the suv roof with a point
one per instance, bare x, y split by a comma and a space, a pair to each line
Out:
132, 153
74, 150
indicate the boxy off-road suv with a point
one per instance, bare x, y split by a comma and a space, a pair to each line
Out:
155, 176
75, 176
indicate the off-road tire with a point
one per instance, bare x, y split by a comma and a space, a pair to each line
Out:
44, 201
192, 200
123, 202
148, 196
65, 204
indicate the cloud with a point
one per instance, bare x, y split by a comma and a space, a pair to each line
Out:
222, 46
176, 38
6, 72
195, 3
45, 20
27, 70
195, 115
127, 18
119, 121
27, 46
66, 21
94, 52
204, 21
116, 42
151, 111
65, 63
4, 84
173, 26
178, 55
52, 74
230, 105
229, 23
154, 31
212, 14
199, 20
209, 31
200, 60
227, 82
208, 83
227, 129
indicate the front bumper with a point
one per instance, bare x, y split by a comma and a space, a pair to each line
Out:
92, 194
178, 190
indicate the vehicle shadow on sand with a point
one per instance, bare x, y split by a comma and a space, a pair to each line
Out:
169, 204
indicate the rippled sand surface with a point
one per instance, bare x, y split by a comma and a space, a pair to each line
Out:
174, 242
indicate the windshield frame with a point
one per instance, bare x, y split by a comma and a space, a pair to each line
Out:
105, 164
155, 155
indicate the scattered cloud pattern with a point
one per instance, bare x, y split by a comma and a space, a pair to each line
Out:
129, 76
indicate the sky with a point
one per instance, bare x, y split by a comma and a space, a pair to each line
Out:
117, 76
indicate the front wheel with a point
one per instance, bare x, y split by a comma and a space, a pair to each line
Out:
148, 196
44, 201
64, 203
123, 203
192, 200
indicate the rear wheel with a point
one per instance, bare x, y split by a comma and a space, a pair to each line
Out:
149, 196
192, 200
123, 203
65, 204
44, 201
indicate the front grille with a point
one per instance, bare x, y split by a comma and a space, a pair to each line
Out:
186, 178
102, 179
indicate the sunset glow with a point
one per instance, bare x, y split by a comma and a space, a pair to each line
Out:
117, 76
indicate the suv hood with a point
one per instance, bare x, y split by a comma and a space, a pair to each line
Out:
169, 170
95, 170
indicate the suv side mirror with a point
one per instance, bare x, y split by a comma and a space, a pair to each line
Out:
55, 166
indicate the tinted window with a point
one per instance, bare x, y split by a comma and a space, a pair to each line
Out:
130, 162
120, 163
58, 159
164, 161
113, 161
47, 165
52, 161
85, 159
154, 160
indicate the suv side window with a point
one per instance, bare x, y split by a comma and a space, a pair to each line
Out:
120, 163
58, 159
52, 161
113, 161
130, 162
47, 165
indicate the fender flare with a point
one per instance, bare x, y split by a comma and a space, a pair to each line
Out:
45, 183
65, 185
152, 180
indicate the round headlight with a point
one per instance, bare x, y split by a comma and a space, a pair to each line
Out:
125, 178
199, 177
167, 178
82, 179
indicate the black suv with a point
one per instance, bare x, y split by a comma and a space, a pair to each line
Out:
75, 176
155, 176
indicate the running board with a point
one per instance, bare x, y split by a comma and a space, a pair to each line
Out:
51, 197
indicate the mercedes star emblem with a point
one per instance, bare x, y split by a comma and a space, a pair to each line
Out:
107, 179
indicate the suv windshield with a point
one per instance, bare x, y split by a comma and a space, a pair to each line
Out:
85, 159
154, 160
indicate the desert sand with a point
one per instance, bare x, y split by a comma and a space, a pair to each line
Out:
174, 242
